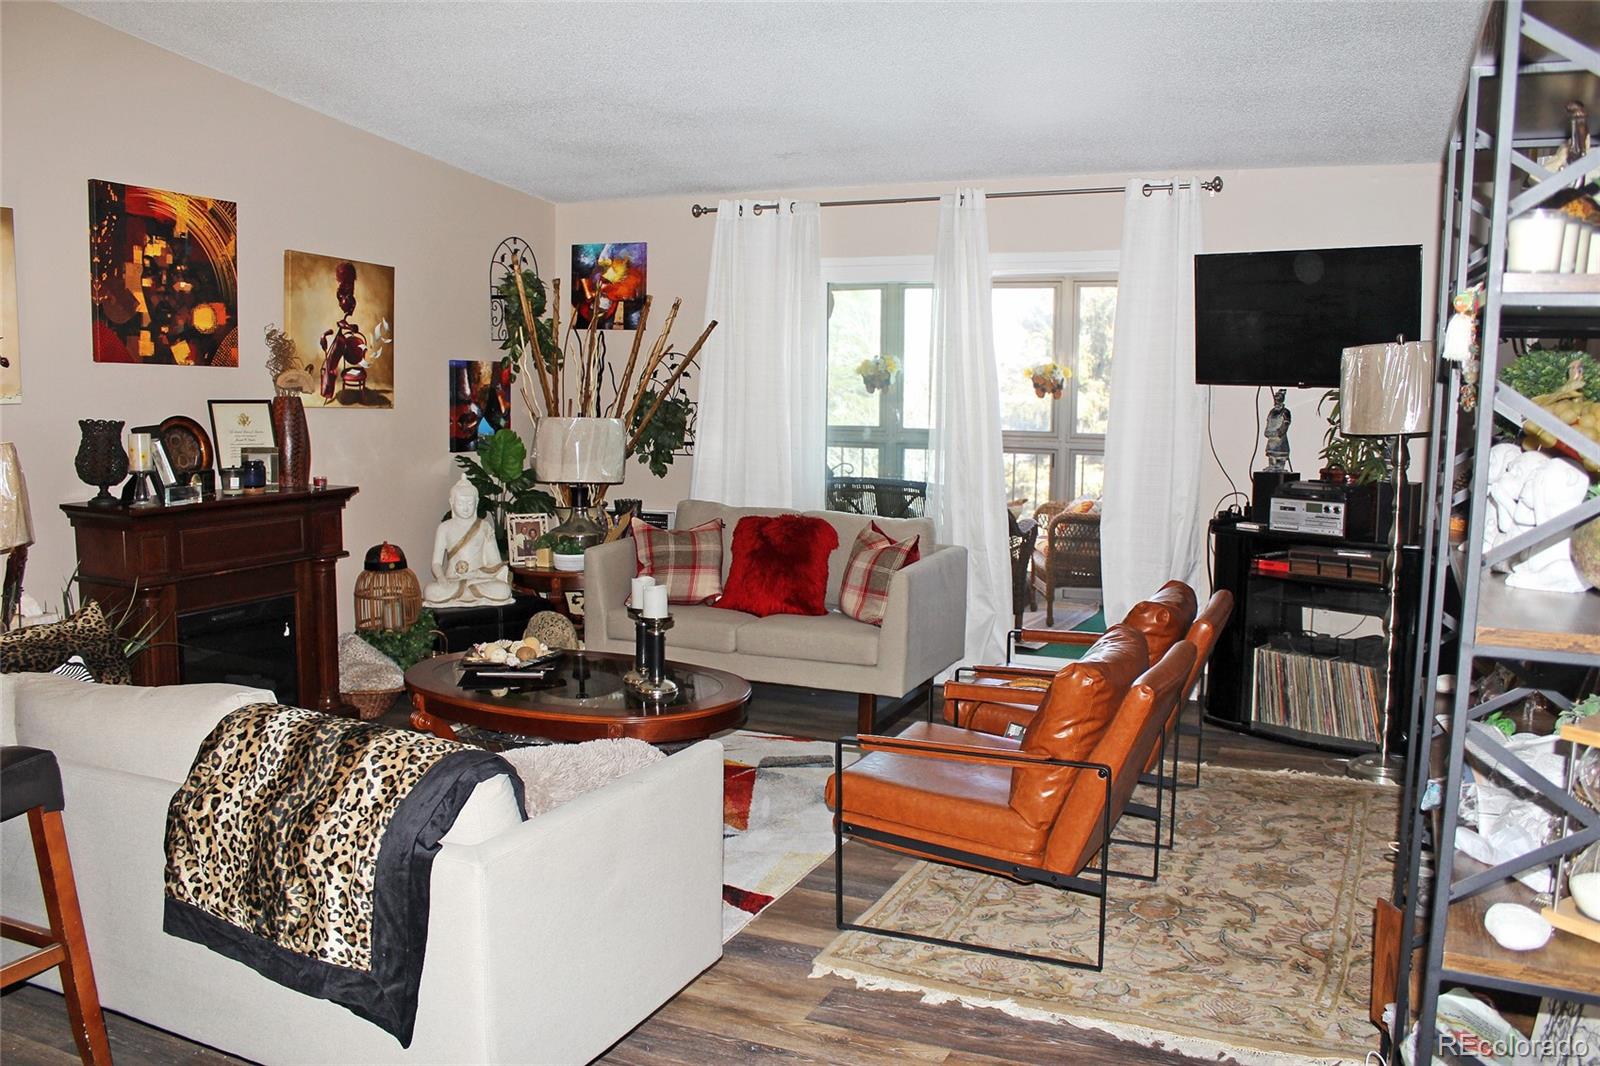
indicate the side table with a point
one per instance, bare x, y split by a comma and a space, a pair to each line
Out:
563, 588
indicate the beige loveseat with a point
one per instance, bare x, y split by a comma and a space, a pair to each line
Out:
922, 633
548, 939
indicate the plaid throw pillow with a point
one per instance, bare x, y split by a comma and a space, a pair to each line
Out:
687, 561
874, 558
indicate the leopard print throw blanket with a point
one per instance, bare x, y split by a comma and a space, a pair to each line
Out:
301, 845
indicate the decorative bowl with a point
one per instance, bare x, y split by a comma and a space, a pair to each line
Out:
569, 563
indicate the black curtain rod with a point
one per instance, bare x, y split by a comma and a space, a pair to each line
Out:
1213, 186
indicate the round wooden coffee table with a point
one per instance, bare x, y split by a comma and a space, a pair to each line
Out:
581, 698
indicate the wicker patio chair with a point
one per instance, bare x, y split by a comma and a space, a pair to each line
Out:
1068, 554
1024, 534
884, 497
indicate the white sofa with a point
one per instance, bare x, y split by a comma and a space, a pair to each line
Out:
548, 940
923, 631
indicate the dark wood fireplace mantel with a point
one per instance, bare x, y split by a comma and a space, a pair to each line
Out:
219, 552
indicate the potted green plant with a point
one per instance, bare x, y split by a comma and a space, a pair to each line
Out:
1356, 460
505, 485
568, 554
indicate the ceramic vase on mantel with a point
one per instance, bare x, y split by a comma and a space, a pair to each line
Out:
101, 459
289, 429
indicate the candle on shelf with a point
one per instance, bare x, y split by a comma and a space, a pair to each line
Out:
641, 584
655, 602
139, 445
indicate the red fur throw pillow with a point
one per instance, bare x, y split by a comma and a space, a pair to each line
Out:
780, 565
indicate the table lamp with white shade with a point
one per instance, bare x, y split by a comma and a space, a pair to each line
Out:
580, 453
16, 530
1386, 390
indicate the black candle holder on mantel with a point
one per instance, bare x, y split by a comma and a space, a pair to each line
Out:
101, 459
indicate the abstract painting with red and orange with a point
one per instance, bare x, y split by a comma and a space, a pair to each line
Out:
163, 276
608, 281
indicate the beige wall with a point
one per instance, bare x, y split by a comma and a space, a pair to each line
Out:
83, 101
1258, 209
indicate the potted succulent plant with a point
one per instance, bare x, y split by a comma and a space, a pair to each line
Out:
568, 554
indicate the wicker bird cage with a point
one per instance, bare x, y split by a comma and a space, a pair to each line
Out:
387, 594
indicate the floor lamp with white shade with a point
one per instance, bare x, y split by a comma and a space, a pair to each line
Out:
1386, 390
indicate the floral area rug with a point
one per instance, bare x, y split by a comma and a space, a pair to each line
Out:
1255, 945
775, 826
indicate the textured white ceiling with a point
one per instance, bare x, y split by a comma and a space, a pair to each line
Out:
581, 101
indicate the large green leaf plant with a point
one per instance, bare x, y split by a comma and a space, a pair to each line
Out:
505, 484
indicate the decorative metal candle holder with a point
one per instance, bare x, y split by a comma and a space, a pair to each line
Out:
635, 677
648, 678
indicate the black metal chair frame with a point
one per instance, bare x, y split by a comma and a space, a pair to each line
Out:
1096, 887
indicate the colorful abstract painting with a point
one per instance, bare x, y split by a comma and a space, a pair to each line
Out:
480, 402
10, 350
163, 276
340, 315
608, 280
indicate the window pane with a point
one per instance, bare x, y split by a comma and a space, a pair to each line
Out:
918, 375
855, 332
916, 464
1088, 474
1091, 369
852, 460
1028, 476
1024, 336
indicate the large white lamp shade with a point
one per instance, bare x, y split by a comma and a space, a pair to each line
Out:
580, 451
1386, 390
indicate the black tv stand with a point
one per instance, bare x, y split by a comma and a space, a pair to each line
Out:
1313, 688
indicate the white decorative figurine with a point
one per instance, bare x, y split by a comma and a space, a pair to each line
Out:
467, 568
1527, 489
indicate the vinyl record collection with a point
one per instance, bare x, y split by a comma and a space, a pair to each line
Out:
1321, 685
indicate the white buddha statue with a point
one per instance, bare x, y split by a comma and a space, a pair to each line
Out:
467, 568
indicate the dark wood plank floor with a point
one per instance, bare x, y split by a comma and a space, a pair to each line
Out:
759, 1000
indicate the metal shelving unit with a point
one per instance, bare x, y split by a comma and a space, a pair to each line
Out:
1470, 616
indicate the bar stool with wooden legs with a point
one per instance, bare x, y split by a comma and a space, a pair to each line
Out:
30, 782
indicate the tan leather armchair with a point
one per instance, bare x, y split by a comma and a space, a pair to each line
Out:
1005, 698
1037, 808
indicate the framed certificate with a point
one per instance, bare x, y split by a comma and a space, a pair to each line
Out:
237, 424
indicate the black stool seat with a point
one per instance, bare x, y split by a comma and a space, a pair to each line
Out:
29, 777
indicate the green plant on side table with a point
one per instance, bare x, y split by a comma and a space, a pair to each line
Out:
568, 553
504, 485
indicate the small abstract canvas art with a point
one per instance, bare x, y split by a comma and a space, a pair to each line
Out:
608, 280
10, 350
163, 276
480, 402
340, 315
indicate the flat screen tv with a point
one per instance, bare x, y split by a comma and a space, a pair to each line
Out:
1284, 318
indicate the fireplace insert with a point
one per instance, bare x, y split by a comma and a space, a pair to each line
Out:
245, 644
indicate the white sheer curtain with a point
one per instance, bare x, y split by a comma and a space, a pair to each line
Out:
966, 485
1151, 527
761, 437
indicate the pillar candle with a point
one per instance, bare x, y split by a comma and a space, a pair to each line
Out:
139, 452
655, 601
641, 584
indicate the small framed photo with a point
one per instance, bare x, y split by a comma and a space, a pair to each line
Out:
239, 424
522, 533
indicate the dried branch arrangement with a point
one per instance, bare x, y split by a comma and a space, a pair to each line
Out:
568, 376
